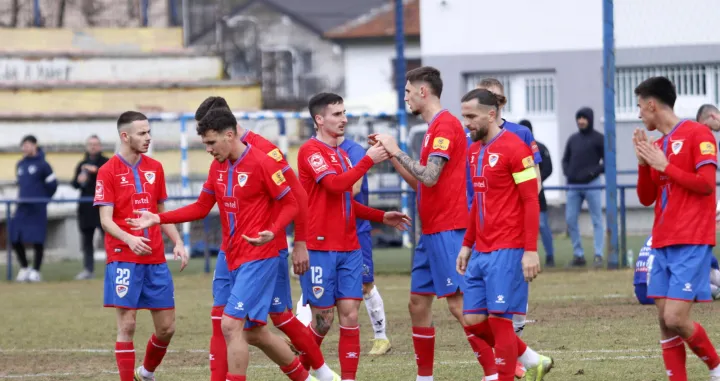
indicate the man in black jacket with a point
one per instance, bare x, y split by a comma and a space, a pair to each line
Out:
546, 169
582, 165
88, 216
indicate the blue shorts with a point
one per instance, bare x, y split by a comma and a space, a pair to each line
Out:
282, 297
333, 275
136, 286
433, 270
680, 272
368, 268
251, 291
641, 294
495, 284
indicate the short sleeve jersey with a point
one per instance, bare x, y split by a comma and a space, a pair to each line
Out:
498, 167
443, 207
683, 217
129, 188
246, 192
331, 223
356, 152
266, 147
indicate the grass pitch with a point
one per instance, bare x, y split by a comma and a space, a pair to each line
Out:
588, 320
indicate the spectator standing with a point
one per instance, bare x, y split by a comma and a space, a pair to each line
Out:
88, 216
582, 165
546, 169
35, 179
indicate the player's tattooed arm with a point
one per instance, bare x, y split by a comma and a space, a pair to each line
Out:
323, 321
427, 174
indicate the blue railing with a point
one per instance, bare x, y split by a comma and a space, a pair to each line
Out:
616, 257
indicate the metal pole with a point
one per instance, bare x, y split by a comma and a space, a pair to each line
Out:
186, 22
145, 9
400, 88
36, 13
9, 240
610, 163
623, 228
184, 173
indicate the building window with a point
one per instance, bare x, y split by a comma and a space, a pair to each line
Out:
540, 94
690, 80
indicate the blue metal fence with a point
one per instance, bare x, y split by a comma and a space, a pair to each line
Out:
612, 262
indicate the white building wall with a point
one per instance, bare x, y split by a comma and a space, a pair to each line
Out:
466, 27
369, 70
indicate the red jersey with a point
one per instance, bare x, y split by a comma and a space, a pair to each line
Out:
682, 216
266, 147
443, 207
331, 221
128, 188
245, 192
498, 211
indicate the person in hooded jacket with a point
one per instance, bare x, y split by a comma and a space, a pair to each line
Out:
582, 164
88, 216
35, 179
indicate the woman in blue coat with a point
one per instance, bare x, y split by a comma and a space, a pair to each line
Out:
35, 179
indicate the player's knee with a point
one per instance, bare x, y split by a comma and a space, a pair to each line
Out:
166, 332
230, 327
348, 318
674, 320
418, 306
474, 319
254, 336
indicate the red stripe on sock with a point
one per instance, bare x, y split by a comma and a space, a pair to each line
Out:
218, 348
424, 343
703, 348
483, 352
295, 371
673, 353
235, 377
349, 352
125, 358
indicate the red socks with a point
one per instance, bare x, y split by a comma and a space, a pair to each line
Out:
154, 353
700, 344
301, 337
349, 351
506, 347
305, 357
483, 351
295, 371
424, 343
521, 346
125, 357
234, 377
218, 348
673, 352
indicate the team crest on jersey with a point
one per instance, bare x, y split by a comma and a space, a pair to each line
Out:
493, 159
676, 147
121, 290
317, 163
318, 291
150, 177
32, 169
242, 179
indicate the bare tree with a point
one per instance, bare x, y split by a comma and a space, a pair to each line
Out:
14, 12
90, 9
61, 13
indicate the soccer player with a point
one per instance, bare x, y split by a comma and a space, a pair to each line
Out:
246, 184
525, 134
334, 279
281, 308
640, 279
439, 179
710, 116
136, 275
504, 224
371, 295
677, 173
